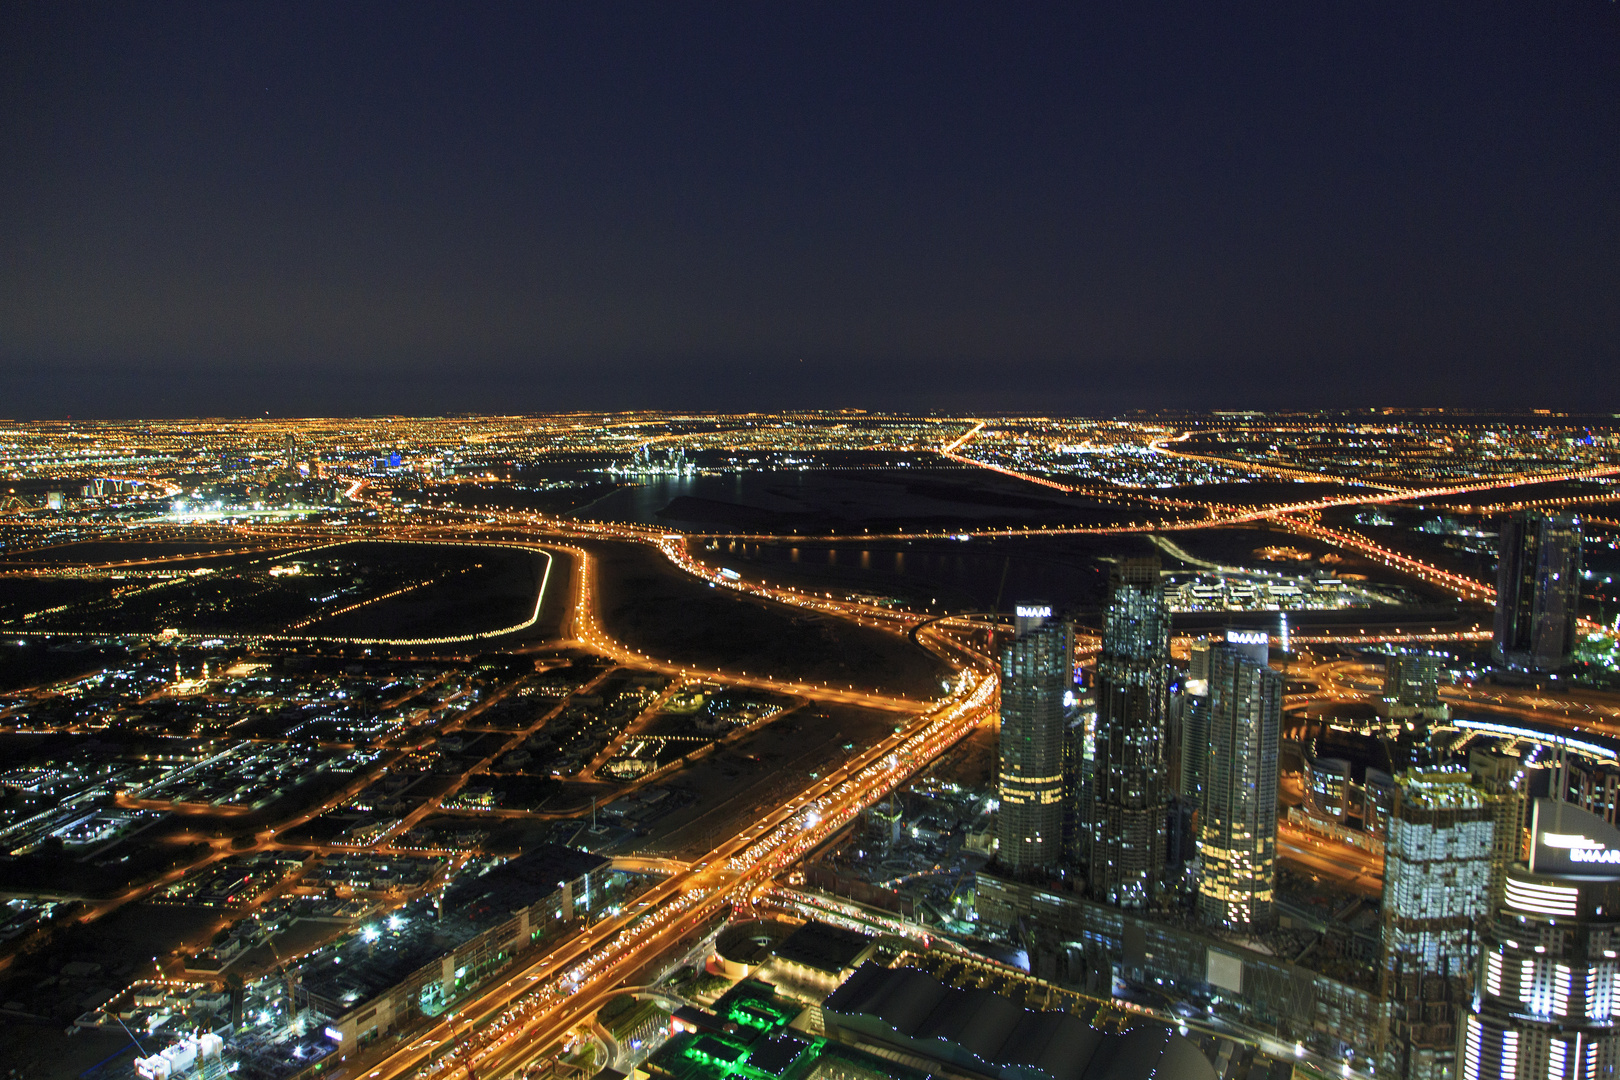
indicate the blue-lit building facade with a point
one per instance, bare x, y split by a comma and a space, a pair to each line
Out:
1538, 590
1545, 995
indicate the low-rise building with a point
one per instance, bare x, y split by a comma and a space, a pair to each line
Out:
1236, 975
983, 1033
478, 928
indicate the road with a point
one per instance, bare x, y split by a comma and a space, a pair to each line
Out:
537, 1005
530, 1010
509, 1023
1360, 871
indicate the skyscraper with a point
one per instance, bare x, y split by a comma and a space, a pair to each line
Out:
1412, 679
1130, 790
1501, 776
1036, 674
1237, 816
1077, 727
1194, 757
1545, 995
1538, 579
1437, 876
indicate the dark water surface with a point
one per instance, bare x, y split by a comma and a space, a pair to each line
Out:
838, 500
938, 574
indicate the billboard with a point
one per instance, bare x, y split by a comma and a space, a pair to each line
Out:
1224, 970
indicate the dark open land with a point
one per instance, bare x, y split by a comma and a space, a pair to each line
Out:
1529, 493
652, 606
1246, 546
31, 662
451, 589
42, 1052
1068, 572
1447, 552
493, 588
105, 553
19, 596
737, 785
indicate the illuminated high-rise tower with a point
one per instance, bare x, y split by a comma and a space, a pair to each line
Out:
1412, 681
1437, 877
1547, 989
1502, 777
1130, 787
1538, 587
1237, 810
1036, 678
1194, 756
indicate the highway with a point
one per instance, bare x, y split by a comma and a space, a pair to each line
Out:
531, 1009
1360, 871
511, 1022
535, 1006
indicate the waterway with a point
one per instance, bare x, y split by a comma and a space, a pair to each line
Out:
640, 502
941, 575
834, 500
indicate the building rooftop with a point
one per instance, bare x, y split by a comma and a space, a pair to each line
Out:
749, 1038
831, 949
987, 1031
519, 882
1441, 790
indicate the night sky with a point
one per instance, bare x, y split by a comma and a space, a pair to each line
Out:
352, 208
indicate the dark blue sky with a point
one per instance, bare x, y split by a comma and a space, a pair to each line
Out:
358, 208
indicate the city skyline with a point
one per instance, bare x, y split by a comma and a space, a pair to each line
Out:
419, 746
809, 542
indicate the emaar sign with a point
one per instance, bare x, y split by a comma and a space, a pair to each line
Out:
1254, 645
1572, 842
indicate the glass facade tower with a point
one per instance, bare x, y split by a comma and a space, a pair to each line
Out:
1130, 788
1237, 815
1538, 585
1036, 676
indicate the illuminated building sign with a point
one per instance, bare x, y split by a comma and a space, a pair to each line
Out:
1254, 645
1604, 856
334, 1034
1028, 611
1571, 842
